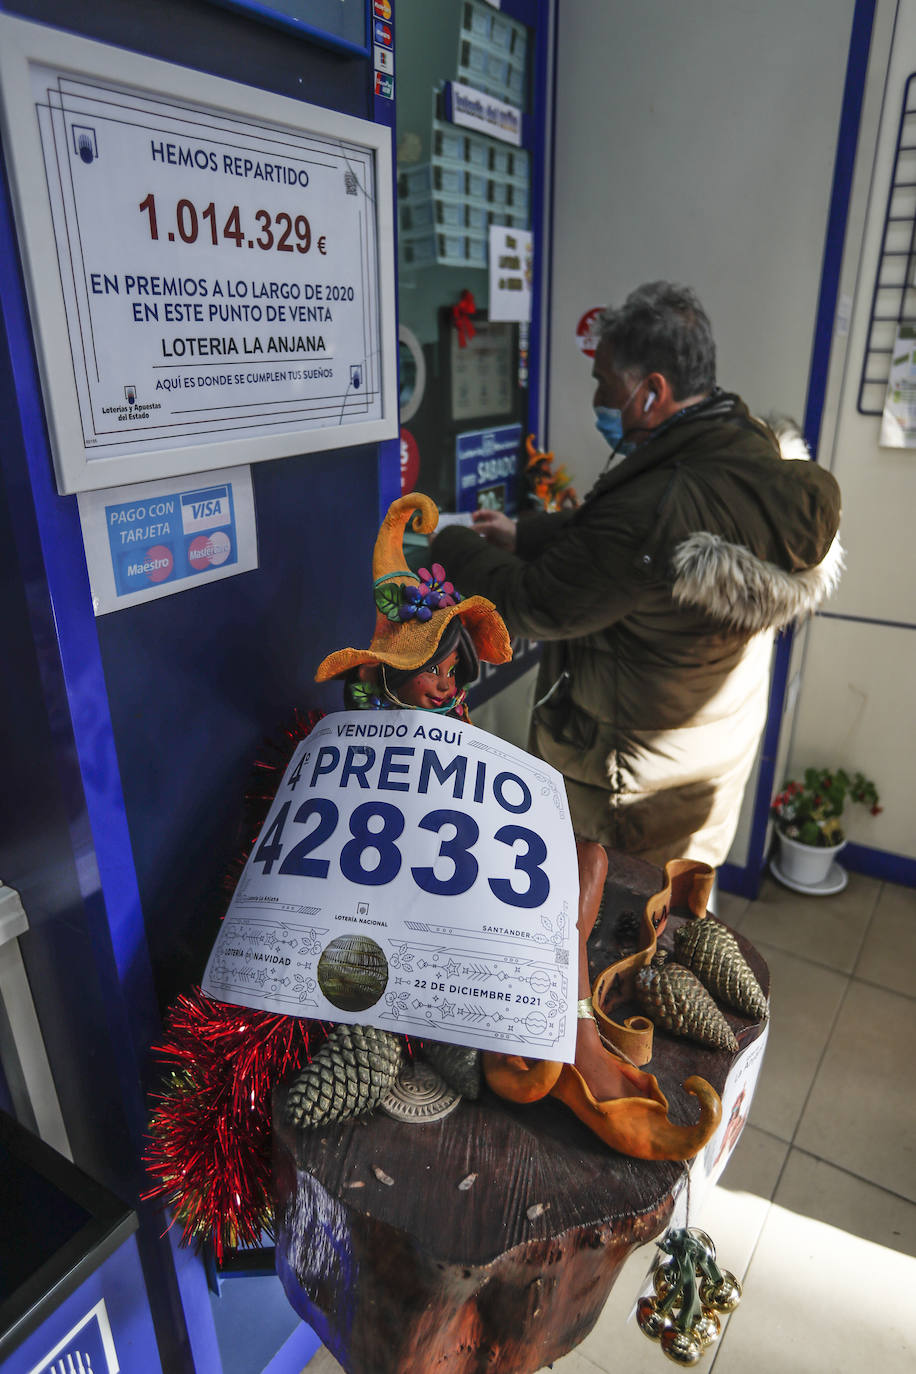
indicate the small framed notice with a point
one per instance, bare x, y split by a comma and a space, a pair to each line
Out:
210, 267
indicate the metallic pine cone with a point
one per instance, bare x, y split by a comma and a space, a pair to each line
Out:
349, 1075
457, 1064
712, 952
676, 999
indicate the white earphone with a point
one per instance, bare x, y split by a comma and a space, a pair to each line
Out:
650, 400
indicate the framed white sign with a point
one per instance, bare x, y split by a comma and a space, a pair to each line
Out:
210, 267
417, 874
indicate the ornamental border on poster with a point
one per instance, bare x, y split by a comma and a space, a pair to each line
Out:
23, 43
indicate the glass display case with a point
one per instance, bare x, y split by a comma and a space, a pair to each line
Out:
466, 164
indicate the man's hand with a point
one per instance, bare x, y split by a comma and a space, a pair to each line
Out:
496, 528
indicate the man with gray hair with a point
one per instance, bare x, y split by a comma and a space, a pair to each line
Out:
657, 598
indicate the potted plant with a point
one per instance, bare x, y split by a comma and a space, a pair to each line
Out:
807, 816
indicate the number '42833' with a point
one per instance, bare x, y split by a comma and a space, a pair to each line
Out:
371, 856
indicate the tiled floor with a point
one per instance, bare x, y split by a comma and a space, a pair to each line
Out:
816, 1212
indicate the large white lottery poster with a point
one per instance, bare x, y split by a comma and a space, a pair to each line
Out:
216, 274
414, 874
218, 257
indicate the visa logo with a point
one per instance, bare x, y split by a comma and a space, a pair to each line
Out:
205, 510
200, 508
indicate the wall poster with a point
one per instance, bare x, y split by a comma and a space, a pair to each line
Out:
210, 267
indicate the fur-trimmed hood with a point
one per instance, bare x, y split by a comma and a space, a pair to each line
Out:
743, 590
731, 585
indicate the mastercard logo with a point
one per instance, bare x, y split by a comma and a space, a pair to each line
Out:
209, 550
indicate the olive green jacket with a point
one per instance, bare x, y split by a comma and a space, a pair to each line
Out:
656, 600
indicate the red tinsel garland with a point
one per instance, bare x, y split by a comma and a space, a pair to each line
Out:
210, 1129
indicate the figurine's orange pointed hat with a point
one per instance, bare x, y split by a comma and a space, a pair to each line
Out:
408, 643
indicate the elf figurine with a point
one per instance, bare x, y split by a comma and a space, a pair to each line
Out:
429, 641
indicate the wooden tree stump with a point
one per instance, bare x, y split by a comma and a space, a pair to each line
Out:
420, 1276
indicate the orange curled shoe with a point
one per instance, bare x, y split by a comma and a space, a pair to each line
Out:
635, 1126
518, 1080
639, 1126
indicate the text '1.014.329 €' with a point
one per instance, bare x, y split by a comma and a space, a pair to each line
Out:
281, 231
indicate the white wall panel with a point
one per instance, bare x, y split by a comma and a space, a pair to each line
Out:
695, 142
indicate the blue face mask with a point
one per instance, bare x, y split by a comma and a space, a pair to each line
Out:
609, 422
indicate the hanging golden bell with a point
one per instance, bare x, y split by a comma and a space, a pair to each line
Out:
707, 1327
724, 1296
681, 1346
650, 1321
664, 1278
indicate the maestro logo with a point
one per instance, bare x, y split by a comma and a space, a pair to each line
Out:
154, 564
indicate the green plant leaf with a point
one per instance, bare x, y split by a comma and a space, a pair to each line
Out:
362, 693
388, 599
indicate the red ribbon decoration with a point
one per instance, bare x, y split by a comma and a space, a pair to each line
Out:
461, 318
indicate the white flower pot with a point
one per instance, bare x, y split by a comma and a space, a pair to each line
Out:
805, 865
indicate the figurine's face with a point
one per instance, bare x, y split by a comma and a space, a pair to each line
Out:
433, 687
